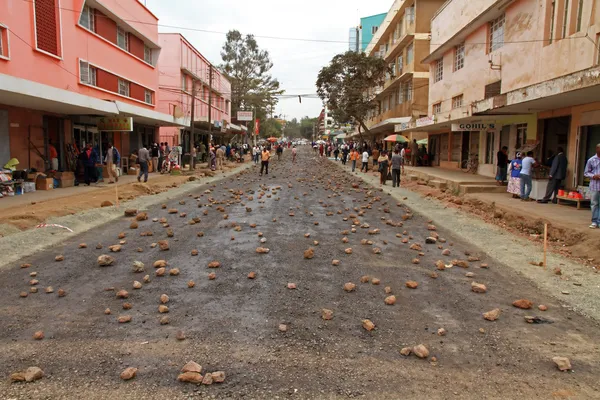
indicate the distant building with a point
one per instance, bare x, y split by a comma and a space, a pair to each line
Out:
360, 36
353, 44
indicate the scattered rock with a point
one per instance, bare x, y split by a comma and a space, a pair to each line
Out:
29, 375
416, 261
218, 377
106, 203
446, 252
190, 377
39, 335
107, 311
163, 245
163, 309
129, 373
212, 276
252, 275
180, 335
430, 240
368, 324
115, 248
441, 332
390, 300
133, 225
61, 293
348, 250
421, 351
194, 252
164, 299
124, 319
387, 290
138, 266
59, 258
412, 284
122, 294
81, 246
308, 254
557, 271
406, 351
283, 328
207, 380
160, 264
523, 304
478, 287
542, 307
326, 314
492, 315
130, 212
562, 363
191, 284
214, 264
174, 271
137, 285
141, 216
349, 287
335, 263
291, 285
262, 250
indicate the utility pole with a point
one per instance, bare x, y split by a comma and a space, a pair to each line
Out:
191, 139
210, 81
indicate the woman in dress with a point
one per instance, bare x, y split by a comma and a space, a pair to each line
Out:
383, 167
514, 180
213, 159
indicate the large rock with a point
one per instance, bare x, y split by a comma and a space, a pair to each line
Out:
130, 212
421, 351
492, 315
308, 254
218, 376
368, 324
138, 266
390, 300
349, 287
190, 377
412, 284
29, 375
192, 366
141, 216
160, 264
478, 287
562, 363
128, 373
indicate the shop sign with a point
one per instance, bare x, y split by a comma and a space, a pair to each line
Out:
244, 116
401, 127
115, 124
429, 120
473, 126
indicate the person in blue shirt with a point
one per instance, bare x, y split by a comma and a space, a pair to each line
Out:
514, 180
89, 157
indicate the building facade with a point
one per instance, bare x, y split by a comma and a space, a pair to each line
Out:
182, 68
369, 27
74, 72
403, 41
518, 73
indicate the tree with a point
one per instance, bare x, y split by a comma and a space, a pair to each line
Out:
307, 126
247, 67
271, 127
348, 86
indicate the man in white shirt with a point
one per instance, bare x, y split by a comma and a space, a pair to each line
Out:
526, 170
365, 161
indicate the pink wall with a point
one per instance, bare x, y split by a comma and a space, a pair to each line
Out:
77, 42
178, 53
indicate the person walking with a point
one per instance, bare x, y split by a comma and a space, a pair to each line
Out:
89, 157
592, 171
193, 155
375, 155
220, 157
202, 152
112, 159
265, 156
526, 170
353, 158
514, 179
294, 152
345, 152
383, 163
154, 153
336, 153
53, 155
279, 152
414, 152
365, 161
212, 159
558, 172
143, 160
396, 168
501, 165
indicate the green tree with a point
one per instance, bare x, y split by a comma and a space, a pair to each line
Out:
348, 86
271, 127
247, 67
307, 126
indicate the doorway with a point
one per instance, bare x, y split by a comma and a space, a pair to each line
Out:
556, 134
466, 146
4, 138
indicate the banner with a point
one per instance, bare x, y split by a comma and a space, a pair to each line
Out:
244, 116
256, 126
472, 126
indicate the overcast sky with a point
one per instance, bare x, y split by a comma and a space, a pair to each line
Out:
296, 63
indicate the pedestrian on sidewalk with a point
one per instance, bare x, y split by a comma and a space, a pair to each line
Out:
294, 152
345, 152
220, 156
501, 165
202, 152
353, 158
193, 155
592, 171
265, 156
143, 160
321, 149
53, 155
336, 153
112, 159
558, 172
213, 159
279, 152
396, 168
514, 180
383, 162
375, 155
414, 152
89, 157
526, 170
365, 161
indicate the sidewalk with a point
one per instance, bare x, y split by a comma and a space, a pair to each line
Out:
577, 285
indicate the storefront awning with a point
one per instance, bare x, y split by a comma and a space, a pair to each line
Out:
148, 117
389, 124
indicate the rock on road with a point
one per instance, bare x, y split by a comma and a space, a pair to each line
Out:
280, 323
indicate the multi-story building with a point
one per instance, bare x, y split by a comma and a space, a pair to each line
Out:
518, 73
74, 72
184, 69
403, 41
360, 36
325, 122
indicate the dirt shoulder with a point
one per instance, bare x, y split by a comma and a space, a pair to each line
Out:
512, 239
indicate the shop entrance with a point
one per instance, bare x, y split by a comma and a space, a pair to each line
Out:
466, 147
556, 134
589, 137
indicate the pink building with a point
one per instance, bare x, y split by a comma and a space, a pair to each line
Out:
74, 72
180, 65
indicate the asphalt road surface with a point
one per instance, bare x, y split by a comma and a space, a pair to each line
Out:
232, 323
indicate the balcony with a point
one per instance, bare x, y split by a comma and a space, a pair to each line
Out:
406, 36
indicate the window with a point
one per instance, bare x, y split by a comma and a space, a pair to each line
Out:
122, 39
492, 90
552, 12
184, 82
401, 94
148, 96
459, 57
410, 14
87, 19
438, 72
148, 55
87, 73
457, 101
409, 89
393, 68
47, 27
521, 135
579, 15
565, 15
374, 30
409, 54
400, 64
496, 33
4, 50
437, 108
123, 87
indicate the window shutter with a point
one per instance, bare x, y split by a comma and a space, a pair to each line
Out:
84, 72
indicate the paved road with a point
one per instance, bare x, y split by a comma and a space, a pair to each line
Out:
232, 323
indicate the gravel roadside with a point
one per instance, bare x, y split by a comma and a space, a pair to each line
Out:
580, 282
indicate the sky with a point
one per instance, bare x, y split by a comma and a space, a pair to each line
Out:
296, 63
